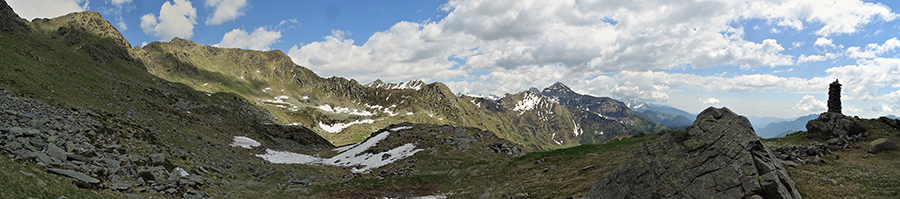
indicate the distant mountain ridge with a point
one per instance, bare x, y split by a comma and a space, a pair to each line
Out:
663, 114
779, 129
602, 106
345, 111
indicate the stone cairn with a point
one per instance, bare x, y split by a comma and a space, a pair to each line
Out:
834, 97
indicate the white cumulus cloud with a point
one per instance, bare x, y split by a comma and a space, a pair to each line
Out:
175, 20
225, 10
260, 39
873, 50
583, 38
810, 58
810, 104
823, 42
30, 9
709, 101
120, 2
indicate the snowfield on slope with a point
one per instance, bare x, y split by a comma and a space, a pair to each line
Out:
344, 110
338, 127
244, 142
350, 156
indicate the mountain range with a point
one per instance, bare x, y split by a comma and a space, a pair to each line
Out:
663, 114
780, 129
86, 115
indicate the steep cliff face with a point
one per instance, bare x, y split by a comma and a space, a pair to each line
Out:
719, 156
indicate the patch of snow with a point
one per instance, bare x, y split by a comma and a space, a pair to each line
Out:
476, 104
409, 113
267, 89
577, 131
204, 84
244, 142
554, 99
529, 102
395, 129
345, 148
209, 94
351, 156
181, 172
553, 137
280, 103
430, 197
304, 97
338, 127
344, 110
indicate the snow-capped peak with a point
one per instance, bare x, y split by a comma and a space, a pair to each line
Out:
412, 84
491, 97
557, 87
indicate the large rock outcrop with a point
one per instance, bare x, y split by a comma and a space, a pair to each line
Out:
719, 156
835, 125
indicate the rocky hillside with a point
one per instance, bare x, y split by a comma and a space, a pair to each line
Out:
719, 156
344, 111
75, 103
602, 106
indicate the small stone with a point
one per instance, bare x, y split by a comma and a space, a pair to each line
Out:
301, 190
70, 146
119, 186
26, 173
44, 158
56, 152
486, 194
11, 112
16, 131
158, 158
833, 182
134, 196
32, 132
41, 182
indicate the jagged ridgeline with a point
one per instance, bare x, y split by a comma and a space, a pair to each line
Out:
345, 111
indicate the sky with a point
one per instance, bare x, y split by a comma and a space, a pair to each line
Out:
770, 58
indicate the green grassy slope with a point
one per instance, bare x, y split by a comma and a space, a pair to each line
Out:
857, 174
79, 69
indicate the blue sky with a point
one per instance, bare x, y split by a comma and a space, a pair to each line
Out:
761, 58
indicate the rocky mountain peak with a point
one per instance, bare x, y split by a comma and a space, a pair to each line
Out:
412, 84
557, 87
719, 156
87, 21
10, 21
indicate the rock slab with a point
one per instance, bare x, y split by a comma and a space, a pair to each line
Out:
882, 144
75, 174
719, 156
